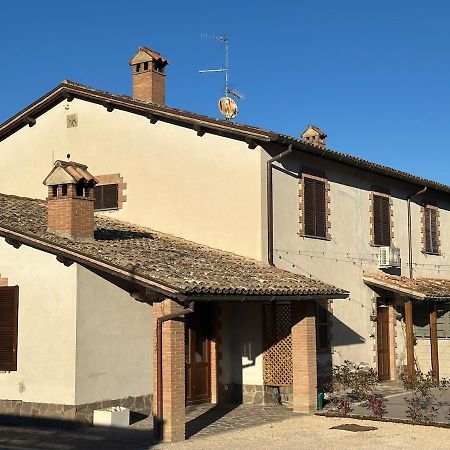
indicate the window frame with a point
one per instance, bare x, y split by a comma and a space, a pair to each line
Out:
12, 367
121, 187
386, 196
435, 209
306, 175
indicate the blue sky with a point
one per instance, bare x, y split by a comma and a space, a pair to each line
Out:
374, 75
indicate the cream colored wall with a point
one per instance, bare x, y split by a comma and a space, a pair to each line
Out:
343, 260
206, 189
114, 342
46, 330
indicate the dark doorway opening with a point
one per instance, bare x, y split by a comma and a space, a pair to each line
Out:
198, 355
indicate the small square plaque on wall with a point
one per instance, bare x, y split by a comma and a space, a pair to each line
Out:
72, 120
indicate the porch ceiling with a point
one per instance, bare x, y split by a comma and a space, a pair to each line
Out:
437, 289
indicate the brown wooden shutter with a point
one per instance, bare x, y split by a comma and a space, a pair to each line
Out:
381, 220
315, 216
431, 231
106, 196
9, 300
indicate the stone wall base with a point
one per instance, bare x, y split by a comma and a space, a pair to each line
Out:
16, 411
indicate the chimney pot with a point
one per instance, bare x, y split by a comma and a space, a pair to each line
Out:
149, 78
70, 201
315, 136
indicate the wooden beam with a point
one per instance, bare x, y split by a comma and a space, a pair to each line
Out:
153, 119
109, 107
66, 261
30, 121
69, 97
434, 342
200, 131
13, 242
409, 339
251, 143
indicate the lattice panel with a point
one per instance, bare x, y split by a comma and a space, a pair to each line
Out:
277, 358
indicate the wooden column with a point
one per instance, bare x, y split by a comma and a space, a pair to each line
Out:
434, 342
173, 363
409, 339
304, 356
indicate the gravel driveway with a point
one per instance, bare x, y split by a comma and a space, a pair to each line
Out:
313, 432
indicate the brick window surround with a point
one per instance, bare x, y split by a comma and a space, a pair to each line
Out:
121, 186
372, 197
431, 241
305, 178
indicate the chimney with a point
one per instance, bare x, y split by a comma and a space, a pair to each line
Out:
314, 135
149, 78
70, 201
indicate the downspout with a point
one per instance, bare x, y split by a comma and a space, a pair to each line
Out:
410, 253
159, 377
269, 206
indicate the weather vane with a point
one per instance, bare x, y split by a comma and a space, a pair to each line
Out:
227, 106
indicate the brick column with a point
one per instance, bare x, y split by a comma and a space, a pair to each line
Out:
173, 362
304, 356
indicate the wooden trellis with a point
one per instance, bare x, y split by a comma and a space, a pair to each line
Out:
277, 358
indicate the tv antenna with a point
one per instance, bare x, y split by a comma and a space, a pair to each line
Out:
227, 106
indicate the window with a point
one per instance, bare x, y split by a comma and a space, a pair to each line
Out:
322, 334
381, 216
138, 67
64, 190
314, 207
146, 65
430, 230
106, 196
9, 300
421, 318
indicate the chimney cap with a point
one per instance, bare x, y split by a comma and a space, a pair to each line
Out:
315, 129
69, 172
145, 54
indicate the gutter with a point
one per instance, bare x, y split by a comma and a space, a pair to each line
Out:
269, 203
159, 418
410, 254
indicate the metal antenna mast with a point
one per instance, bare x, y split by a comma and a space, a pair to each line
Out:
227, 105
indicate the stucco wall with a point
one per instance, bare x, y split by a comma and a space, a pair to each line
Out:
114, 342
46, 331
344, 259
206, 189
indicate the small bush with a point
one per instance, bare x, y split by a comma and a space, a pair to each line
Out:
377, 404
342, 403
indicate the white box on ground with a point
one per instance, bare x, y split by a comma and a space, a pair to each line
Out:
116, 416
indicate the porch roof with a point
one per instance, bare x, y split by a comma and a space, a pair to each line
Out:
164, 263
417, 288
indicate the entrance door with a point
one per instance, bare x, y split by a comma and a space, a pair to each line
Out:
198, 358
384, 372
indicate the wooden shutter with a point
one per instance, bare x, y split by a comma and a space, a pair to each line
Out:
431, 231
322, 336
9, 300
315, 216
381, 220
106, 196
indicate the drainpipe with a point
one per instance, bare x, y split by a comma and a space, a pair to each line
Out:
270, 203
410, 254
159, 377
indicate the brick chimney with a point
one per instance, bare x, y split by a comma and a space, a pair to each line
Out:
315, 136
70, 201
149, 78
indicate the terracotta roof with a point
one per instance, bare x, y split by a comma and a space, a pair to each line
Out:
70, 89
417, 288
179, 265
152, 53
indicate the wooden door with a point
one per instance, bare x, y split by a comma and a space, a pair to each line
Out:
198, 355
384, 372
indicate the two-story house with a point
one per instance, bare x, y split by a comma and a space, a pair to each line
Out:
267, 198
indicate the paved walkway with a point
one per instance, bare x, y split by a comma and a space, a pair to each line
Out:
201, 421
